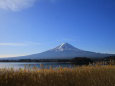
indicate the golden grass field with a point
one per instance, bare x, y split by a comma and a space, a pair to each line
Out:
91, 75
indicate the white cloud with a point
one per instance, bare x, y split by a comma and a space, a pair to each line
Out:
9, 55
19, 44
12, 44
16, 5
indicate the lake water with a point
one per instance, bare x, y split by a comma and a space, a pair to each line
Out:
17, 65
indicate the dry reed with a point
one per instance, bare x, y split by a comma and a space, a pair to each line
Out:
91, 75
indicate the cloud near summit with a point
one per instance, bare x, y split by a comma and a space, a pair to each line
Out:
16, 5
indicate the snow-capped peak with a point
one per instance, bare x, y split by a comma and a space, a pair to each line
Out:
65, 46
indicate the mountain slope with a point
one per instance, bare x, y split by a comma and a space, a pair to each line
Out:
64, 51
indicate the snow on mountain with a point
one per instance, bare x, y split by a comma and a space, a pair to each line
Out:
63, 47
63, 51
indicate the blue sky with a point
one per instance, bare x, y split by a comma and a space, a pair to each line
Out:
34, 26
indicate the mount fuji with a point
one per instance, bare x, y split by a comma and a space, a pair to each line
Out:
63, 51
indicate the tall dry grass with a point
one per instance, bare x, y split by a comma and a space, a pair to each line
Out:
92, 75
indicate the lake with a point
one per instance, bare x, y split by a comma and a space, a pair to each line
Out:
17, 65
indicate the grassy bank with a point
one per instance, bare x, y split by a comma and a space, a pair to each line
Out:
92, 75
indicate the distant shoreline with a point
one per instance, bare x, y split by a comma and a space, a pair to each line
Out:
76, 60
